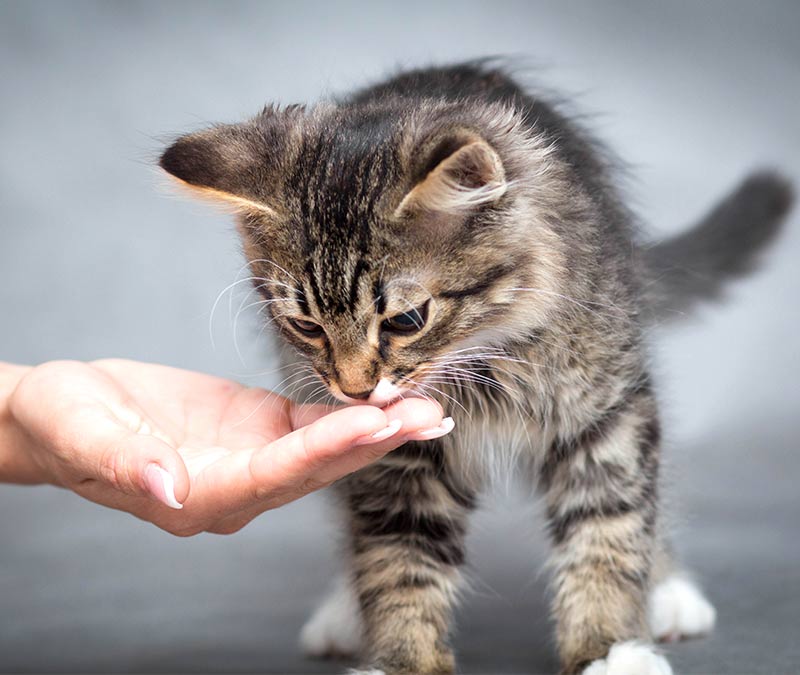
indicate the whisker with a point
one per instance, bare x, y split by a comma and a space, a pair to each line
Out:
424, 386
266, 397
272, 262
217, 301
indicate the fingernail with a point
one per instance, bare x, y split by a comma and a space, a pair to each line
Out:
387, 432
444, 428
161, 485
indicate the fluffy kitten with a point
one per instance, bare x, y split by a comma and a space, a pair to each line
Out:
447, 233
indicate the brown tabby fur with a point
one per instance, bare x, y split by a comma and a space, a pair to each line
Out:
454, 187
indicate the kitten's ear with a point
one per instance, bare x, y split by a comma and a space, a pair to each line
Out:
231, 163
461, 173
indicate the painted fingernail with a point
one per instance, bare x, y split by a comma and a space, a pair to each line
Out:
161, 485
387, 432
444, 428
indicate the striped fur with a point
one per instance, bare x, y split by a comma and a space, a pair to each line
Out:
407, 528
455, 197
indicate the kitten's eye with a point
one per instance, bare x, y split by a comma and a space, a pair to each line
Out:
408, 322
307, 328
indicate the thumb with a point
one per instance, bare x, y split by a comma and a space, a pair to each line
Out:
139, 464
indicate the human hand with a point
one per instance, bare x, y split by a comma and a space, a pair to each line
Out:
191, 452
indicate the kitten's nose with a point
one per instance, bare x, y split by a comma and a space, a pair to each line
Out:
363, 395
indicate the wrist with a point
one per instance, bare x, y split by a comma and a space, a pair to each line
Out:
16, 463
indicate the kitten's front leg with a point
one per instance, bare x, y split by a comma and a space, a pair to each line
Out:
601, 495
408, 519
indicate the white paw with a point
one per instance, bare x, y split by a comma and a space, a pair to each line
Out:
679, 610
373, 671
630, 658
334, 629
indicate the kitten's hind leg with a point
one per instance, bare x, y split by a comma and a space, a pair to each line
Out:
334, 630
601, 497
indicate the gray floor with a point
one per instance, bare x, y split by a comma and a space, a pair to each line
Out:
95, 260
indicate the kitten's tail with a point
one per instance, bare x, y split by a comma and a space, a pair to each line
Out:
694, 266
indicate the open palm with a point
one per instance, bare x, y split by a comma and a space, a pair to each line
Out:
121, 433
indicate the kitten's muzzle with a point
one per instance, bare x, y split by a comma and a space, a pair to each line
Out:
382, 394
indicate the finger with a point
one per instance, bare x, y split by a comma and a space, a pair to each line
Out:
311, 457
141, 464
274, 485
289, 460
303, 415
99, 447
353, 435
417, 414
420, 420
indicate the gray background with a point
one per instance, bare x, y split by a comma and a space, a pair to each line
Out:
96, 259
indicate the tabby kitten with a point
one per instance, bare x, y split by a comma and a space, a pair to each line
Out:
447, 234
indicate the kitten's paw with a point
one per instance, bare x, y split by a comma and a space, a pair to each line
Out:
334, 629
678, 610
372, 671
630, 658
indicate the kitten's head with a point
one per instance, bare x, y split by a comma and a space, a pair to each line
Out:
385, 237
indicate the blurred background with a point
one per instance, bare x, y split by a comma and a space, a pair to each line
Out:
97, 259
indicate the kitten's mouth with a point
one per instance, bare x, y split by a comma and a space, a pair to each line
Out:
385, 393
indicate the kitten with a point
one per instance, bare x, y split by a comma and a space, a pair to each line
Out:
449, 234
